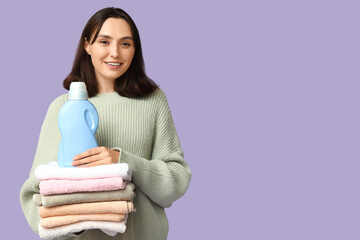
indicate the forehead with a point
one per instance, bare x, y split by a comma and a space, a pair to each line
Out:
116, 28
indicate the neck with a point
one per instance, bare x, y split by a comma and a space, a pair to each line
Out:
106, 91
105, 87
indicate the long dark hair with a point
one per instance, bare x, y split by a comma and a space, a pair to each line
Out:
133, 83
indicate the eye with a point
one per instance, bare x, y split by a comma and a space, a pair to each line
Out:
104, 42
126, 44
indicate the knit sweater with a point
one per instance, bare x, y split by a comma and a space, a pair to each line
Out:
142, 129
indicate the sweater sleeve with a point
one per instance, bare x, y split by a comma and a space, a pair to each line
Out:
46, 151
166, 177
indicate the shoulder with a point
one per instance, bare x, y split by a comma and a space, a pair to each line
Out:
158, 96
155, 102
160, 104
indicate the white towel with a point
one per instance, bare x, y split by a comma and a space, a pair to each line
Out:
110, 228
53, 171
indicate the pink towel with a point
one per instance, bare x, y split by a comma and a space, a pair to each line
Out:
57, 186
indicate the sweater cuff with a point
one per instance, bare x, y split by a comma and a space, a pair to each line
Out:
120, 152
135, 162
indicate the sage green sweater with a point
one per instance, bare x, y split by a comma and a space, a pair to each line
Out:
144, 132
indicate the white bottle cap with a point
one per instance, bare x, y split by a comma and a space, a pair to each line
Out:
78, 91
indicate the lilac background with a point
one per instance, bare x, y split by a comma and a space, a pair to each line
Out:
264, 95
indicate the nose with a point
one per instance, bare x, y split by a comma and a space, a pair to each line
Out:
115, 51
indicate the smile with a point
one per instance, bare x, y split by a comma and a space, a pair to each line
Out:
113, 65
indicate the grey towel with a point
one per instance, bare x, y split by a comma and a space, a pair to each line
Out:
126, 194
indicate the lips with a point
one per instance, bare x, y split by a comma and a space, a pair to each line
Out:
113, 65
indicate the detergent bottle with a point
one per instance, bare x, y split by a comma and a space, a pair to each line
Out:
78, 121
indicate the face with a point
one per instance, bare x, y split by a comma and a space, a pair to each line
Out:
113, 50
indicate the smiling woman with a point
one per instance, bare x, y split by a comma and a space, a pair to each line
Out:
109, 56
135, 127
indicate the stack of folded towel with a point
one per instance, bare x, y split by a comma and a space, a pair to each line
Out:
76, 199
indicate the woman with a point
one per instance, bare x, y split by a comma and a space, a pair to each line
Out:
135, 127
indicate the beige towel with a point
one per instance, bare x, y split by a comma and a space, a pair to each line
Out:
57, 221
122, 207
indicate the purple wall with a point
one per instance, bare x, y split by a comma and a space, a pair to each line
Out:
264, 95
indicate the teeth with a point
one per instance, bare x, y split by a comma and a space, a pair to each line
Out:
114, 64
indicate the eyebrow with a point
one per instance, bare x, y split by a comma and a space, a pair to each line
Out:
107, 36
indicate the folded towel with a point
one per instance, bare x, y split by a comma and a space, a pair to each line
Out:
126, 194
55, 186
107, 227
37, 199
121, 207
53, 171
57, 221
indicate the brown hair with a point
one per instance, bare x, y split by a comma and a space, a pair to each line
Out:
133, 83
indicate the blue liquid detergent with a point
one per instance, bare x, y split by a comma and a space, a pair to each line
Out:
78, 121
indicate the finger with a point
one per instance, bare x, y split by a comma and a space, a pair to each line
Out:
89, 152
92, 164
103, 161
86, 160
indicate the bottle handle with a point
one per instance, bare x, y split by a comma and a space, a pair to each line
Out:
92, 120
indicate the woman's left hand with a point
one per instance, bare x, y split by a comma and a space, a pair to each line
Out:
95, 157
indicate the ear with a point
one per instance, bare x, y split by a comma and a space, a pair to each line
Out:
87, 47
